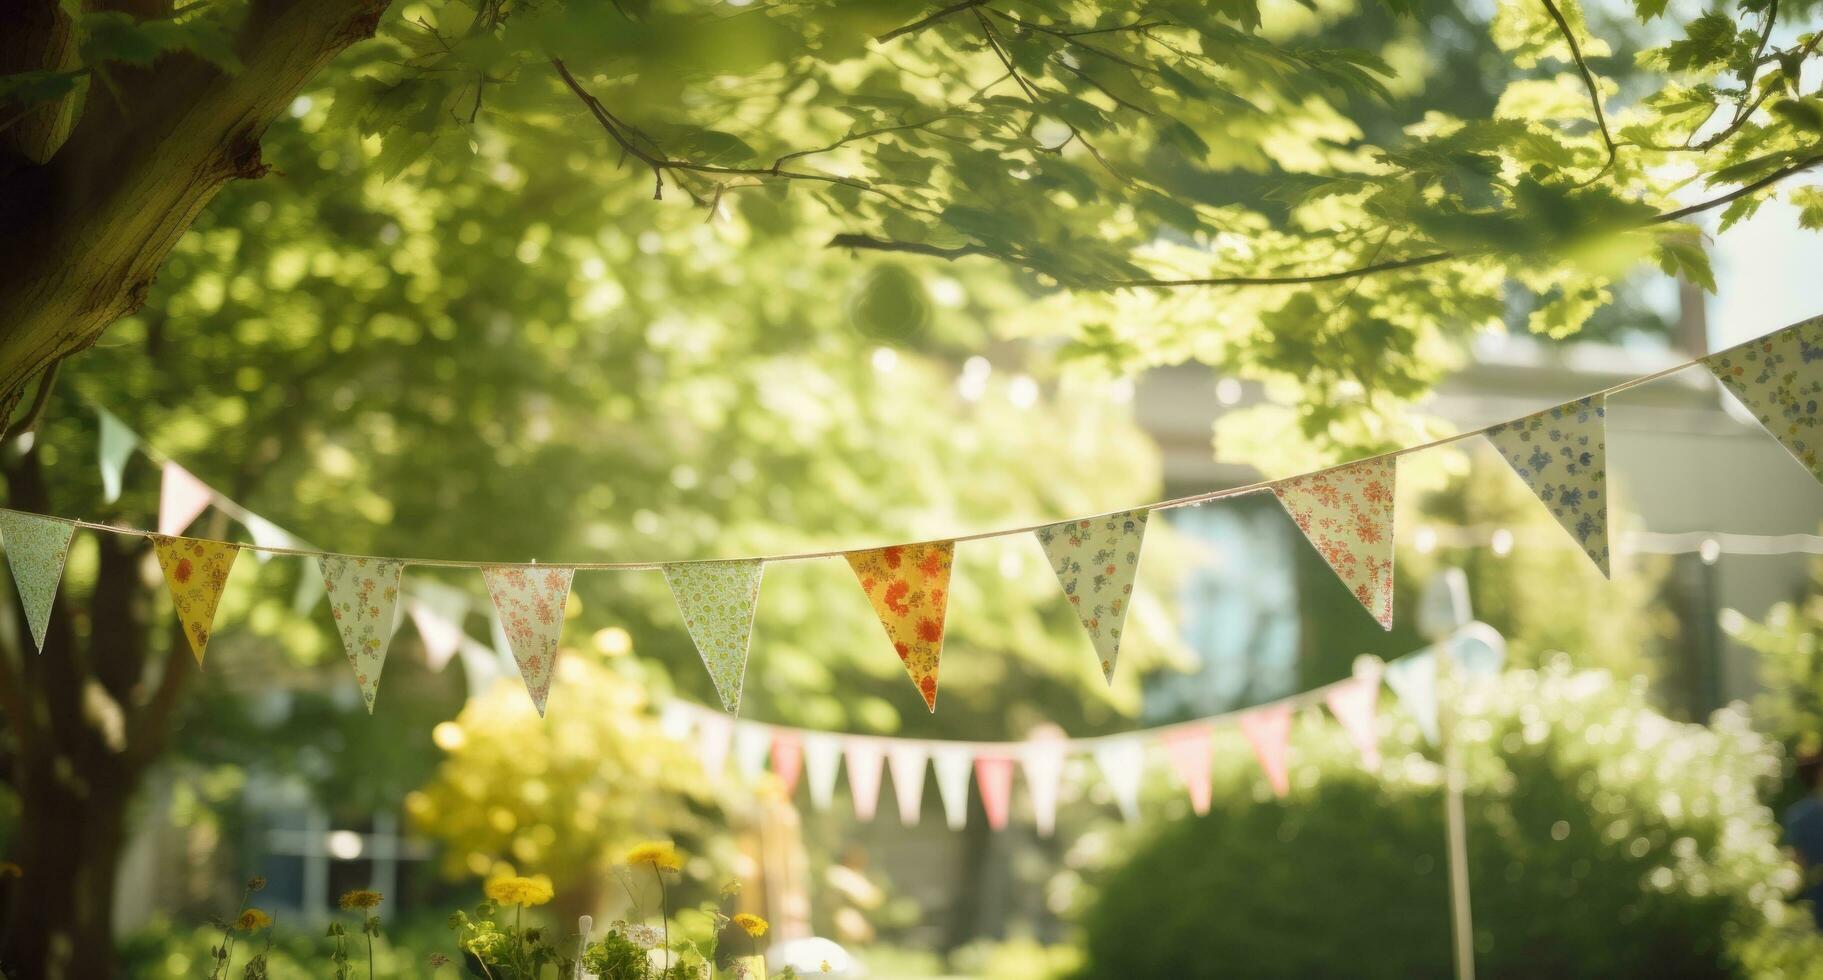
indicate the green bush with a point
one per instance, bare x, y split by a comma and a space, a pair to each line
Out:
1604, 840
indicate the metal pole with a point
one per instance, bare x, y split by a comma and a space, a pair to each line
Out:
1462, 923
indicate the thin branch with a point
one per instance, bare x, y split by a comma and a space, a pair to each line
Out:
923, 22
914, 248
1739, 192
40, 399
1588, 80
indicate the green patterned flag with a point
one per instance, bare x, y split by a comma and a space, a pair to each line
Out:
1779, 378
37, 548
717, 600
1095, 560
1562, 454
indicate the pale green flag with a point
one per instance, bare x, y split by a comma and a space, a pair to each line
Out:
1095, 560
117, 444
717, 599
37, 548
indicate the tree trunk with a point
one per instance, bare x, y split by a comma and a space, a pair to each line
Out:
86, 221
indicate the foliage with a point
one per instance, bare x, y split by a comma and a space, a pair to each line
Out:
1604, 840
1790, 707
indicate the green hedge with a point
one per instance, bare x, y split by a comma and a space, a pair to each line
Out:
1605, 841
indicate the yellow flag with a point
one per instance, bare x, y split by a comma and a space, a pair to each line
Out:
909, 588
196, 569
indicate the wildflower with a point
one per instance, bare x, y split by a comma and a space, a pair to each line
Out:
751, 924
518, 890
438, 959
252, 920
256, 883
360, 898
10, 870
661, 855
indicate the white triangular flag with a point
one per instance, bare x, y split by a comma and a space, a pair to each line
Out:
751, 743
266, 535
1562, 455
117, 444
441, 637
37, 549
182, 498
906, 758
953, 763
674, 720
863, 756
713, 733
1414, 680
822, 759
1122, 763
1042, 761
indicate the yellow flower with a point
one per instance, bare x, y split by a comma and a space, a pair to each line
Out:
10, 870
251, 920
752, 924
516, 890
360, 898
661, 855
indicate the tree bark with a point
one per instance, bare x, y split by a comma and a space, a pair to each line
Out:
85, 222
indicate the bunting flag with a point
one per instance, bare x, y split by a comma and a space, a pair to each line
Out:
441, 637
822, 756
36, 548
787, 760
906, 759
530, 600
364, 599
182, 498
196, 570
267, 535
1779, 377
717, 599
1190, 755
1042, 761
713, 736
909, 588
864, 756
1122, 762
1356, 704
1562, 455
1347, 513
1414, 680
117, 443
1268, 730
1095, 560
751, 743
994, 778
952, 764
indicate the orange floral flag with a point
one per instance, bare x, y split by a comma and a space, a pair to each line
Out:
196, 569
1347, 513
909, 588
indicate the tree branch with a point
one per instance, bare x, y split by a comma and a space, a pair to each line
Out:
1588, 80
923, 22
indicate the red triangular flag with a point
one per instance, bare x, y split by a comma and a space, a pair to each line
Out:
182, 498
1189, 752
994, 777
1356, 704
1268, 730
787, 760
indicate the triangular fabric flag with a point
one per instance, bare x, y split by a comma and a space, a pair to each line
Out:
1779, 378
1095, 560
787, 760
441, 637
530, 600
909, 588
751, 743
713, 737
1121, 761
36, 548
1268, 730
906, 760
952, 764
481, 666
674, 719
267, 535
1347, 513
1562, 455
196, 570
116, 444
1356, 704
181, 499
717, 599
308, 593
994, 778
1042, 761
822, 757
1414, 680
1190, 755
864, 756
364, 599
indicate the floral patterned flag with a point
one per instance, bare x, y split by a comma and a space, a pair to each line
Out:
1122, 763
181, 499
364, 599
1562, 454
864, 757
1095, 560
1347, 513
1190, 754
906, 759
36, 548
717, 599
951, 763
909, 588
196, 570
994, 778
530, 600
1356, 704
1268, 730
1779, 378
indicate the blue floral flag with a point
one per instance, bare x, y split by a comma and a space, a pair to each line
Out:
1779, 378
1562, 454
1095, 560
36, 548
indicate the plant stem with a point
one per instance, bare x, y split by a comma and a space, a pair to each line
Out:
369, 952
664, 914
